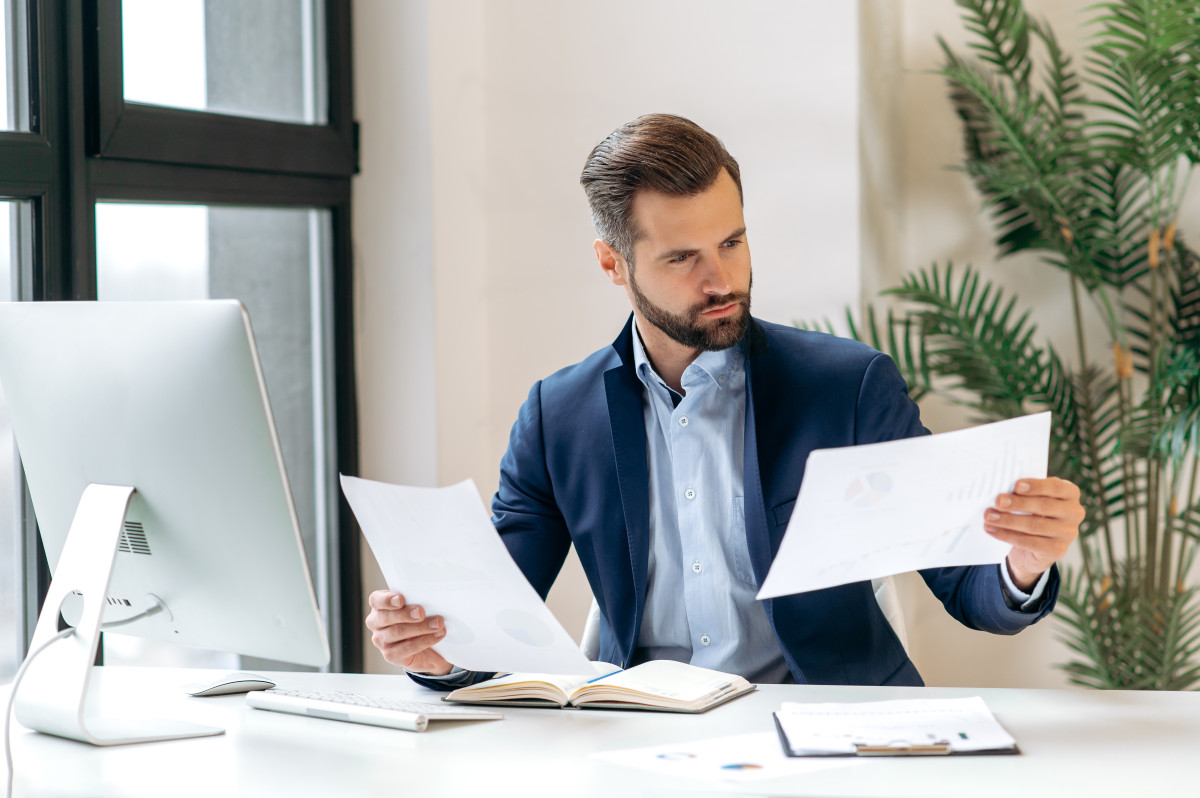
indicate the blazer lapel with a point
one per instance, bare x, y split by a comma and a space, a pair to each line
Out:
758, 540
623, 391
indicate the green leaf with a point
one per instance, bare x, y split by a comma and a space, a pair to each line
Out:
971, 340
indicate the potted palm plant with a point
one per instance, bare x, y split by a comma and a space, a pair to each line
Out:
1088, 169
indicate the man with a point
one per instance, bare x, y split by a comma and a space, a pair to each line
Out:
672, 459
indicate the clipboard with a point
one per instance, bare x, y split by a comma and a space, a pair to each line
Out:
893, 728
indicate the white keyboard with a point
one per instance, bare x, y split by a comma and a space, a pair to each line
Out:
355, 708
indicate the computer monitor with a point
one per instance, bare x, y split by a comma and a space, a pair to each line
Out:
160, 492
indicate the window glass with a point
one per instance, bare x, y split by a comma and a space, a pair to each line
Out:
275, 261
14, 217
257, 58
14, 107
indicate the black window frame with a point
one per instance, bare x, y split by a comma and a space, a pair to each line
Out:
87, 145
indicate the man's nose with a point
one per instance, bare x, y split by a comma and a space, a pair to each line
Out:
717, 279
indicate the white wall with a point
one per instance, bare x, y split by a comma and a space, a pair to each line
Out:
393, 255
474, 270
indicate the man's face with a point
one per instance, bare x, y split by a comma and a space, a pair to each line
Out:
691, 268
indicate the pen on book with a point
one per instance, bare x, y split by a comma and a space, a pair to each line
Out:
605, 676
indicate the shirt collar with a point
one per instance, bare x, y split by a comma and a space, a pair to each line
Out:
716, 365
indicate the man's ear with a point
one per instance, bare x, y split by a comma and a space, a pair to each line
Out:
611, 261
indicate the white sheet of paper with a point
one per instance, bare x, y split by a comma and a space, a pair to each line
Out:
745, 757
438, 548
966, 723
885, 508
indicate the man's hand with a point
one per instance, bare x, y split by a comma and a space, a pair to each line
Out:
404, 635
1040, 519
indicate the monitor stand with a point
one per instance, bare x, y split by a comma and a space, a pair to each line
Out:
53, 693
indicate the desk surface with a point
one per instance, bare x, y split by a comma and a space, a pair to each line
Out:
1073, 743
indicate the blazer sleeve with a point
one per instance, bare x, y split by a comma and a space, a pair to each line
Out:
524, 510
974, 595
526, 516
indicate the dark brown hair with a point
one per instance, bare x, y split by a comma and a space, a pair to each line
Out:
659, 152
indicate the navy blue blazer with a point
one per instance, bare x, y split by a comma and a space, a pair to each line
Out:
576, 473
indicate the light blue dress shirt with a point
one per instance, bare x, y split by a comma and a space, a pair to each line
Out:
700, 604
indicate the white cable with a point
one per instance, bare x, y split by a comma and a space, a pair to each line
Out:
8, 710
153, 610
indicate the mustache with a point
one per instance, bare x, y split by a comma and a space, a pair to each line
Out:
742, 297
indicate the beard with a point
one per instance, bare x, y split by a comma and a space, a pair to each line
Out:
688, 328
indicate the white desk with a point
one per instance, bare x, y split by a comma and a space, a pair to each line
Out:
1074, 743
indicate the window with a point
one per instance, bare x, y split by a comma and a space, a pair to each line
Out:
260, 59
197, 148
14, 72
275, 260
14, 222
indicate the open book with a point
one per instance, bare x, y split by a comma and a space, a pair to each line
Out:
662, 685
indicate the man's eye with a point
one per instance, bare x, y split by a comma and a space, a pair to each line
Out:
732, 243
681, 258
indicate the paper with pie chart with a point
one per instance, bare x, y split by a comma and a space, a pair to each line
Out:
438, 548
866, 512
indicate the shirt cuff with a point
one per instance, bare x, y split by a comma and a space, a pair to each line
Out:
1018, 599
457, 677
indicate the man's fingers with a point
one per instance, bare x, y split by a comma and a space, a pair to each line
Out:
379, 619
1039, 505
1040, 519
400, 651
1036, 525
1051, 486
1034, 505
385, 600
389, 634
1047, 548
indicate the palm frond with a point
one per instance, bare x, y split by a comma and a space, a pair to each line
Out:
1026, 163
824, 325
1184, 309
1064, 88
1096, 440
1002, 29
973, 339
1113, 233
1130, 638
1143, 59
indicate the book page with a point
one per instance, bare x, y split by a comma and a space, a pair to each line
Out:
530, 686
665, 678
511, 682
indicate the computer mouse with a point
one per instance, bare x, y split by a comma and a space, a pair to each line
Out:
231, 684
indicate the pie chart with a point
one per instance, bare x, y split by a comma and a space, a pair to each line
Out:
869, 490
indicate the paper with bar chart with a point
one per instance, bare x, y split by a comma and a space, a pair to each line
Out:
870, 511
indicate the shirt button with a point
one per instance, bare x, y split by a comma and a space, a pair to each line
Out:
704, 641
721, 378
683, 421
697, 567
689, 493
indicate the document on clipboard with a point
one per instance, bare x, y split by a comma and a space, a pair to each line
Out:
921, 727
